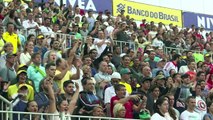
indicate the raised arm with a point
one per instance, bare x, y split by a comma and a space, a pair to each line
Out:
48, 84
73, 100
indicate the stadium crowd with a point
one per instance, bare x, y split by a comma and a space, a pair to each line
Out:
108, 67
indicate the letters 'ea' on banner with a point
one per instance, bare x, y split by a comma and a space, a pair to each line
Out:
93, 5
140, 11
199, 20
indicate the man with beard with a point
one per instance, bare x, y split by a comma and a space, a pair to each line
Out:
172, 64
46, 30
68, 89
54, 44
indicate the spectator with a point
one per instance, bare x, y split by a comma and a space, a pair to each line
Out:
110, 91
87, 99
119, 111
208, 116
35, 71
11, 36
102, 79
7, 71
120, 91
14, 90
161, 109
25, 57
190, 113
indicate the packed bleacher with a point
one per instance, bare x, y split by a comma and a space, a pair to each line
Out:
57, 59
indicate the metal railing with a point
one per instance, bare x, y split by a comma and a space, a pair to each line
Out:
6, 106
60, 116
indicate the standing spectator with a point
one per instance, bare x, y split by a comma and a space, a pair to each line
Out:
101, 42
45, 29
91, 20
102, 79
172, 64
121, 34
36, 72
12, 18
63, 73
120, 91
11, 36
190, 113
7, 71
30, 24
40, 46
125, 79
87, 99
110, 91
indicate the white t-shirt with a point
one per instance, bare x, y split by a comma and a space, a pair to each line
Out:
25, 58
102, 47
156, 116
200, 106
186, 115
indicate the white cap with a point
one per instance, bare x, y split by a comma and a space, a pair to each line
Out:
116, 75
106, 24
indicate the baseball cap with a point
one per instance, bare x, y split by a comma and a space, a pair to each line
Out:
207, 55
22, 67
116, 75
22, 86
146, 79
160, 77
185, 76
21, 71
10, 54
40, 37
125, 71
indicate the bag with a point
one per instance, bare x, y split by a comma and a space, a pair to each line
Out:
144, 115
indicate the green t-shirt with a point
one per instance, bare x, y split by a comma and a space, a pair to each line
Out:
198, 57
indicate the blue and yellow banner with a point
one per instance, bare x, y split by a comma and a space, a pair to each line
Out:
140, 11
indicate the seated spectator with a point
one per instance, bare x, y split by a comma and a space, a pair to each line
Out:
189, 112
21, 81
161, 108
119, 111
209, 115
98, 112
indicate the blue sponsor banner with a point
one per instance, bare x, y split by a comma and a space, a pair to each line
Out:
199, 20
94, 5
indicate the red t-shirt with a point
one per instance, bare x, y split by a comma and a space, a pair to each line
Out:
128, 106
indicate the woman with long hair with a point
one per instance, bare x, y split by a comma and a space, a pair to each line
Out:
25, 57
161, 109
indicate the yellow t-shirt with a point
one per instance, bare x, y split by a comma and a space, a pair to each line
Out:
128, 87
14, 39
13, 89
61, 82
